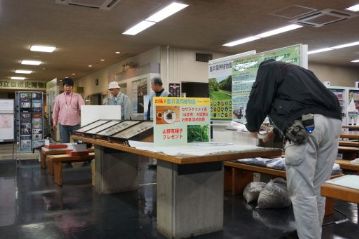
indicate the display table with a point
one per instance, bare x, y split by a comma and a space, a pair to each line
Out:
340, 192
189, 188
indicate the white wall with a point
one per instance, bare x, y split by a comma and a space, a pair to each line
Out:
115, 72
180, 65
337, 75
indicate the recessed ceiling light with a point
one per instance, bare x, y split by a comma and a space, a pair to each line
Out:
117, 52
90, 65
355, 61
23, 71
139, 27
31, 62
18, 78
102, 60
73, 74
166, 12
334, 47
263, 35
42, 48
354, 8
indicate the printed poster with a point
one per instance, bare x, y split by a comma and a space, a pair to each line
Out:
181, 120
220, 89
244, 72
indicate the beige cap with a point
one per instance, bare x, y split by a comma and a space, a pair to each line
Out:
113, 85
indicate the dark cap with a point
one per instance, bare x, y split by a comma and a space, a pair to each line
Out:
266, 62
68, 81
157, 81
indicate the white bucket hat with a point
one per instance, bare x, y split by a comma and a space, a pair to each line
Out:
113, 85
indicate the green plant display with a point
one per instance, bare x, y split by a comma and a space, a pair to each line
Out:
197, 133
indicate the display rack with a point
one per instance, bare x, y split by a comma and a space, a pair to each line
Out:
117, 130
29, 120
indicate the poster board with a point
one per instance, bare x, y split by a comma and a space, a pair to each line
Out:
220, 85
244, 73
178, 121
91, 113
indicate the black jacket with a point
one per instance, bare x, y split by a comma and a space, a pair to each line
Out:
285, 92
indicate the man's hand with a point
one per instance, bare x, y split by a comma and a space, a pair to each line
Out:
54, 127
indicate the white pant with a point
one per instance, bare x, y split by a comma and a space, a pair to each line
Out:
308, 166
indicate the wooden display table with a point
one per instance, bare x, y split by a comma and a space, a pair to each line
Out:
340, 192
189, 188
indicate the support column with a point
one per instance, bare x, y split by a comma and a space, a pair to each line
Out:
115, 171
189, 199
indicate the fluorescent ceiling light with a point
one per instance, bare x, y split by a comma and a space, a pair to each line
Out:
117, 52
320, 50
241, 41
334, 47
354, 8
23, 71
41, 48
17, 78
166, 12
263, 35
279, 30
139, 27
355, 61
346, 45
31, 62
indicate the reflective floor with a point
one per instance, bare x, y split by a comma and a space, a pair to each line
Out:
32, 207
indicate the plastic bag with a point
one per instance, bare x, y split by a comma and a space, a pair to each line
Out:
252, 190
274, 195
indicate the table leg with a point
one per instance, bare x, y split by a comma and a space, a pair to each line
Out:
115, 171
189, 199
42, 159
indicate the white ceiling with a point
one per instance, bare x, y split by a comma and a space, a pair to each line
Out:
84, 35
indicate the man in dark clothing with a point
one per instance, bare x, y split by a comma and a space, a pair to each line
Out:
309, 116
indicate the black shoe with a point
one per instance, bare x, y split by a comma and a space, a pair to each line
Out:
290, 235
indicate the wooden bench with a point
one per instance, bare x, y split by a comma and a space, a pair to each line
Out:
345, 164
349, 144
58, 160
44, 152
348, 152
237, 175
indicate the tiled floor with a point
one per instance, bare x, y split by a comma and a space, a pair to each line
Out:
32, 207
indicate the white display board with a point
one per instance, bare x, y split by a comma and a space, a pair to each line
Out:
6, 120
91, 113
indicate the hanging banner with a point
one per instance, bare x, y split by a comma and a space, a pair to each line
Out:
244, 72
22, 85
181, 120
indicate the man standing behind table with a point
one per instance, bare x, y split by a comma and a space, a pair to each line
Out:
309, 116
116, 97
66, 111
158, 91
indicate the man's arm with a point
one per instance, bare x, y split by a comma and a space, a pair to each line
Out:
55, 112
262, 95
